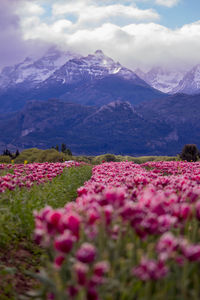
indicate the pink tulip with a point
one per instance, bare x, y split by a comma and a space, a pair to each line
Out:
86, 253
64, 242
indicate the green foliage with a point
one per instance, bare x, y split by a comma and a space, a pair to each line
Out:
190, 152
29, 154
137, 160
37, 155
53, 155
68, 152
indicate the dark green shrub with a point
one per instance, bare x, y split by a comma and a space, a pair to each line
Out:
109, 157
190, 152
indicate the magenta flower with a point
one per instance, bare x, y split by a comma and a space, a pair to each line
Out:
64, 243
86, 253
101, 268
192, 252
59, 261
72, 222
166, 245
81, 271
72, 291
92, 294
150, 270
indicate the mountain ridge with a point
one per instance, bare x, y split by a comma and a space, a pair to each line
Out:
92, 80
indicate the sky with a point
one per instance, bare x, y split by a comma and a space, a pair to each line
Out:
137, 33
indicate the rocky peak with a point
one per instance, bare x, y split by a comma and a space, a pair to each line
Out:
190, 84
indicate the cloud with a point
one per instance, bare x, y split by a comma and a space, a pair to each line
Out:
92, 14
13, 46
122, 30
168, 3
135, 44
31, 8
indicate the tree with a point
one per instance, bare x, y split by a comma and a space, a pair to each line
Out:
57, 148
190, 152
63, 148
17, 153
68, 152
6, 152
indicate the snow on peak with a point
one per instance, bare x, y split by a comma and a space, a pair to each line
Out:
190, 84
93, 66
99, 52
35, 71
161, 78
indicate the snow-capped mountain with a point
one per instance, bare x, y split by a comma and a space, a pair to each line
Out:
92, 80
190, 84
162, 79
93, 66
35, 71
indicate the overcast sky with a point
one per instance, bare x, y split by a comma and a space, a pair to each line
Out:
138, 33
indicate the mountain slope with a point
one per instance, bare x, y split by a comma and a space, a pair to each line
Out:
181, 112
110, 88
115, 128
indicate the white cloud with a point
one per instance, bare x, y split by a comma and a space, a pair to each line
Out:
84, 26
168, 3
29, 9
90, 14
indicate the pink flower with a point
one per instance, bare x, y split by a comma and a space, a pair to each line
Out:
50, 296
185, 211
81, 271
115, 197
64, 242
72, 222
86, 253
101, 268
108, 211
92, 294
93, 216
180, 260
192, 252
59, 261
72, 291
150, 270
166, 245
53, 220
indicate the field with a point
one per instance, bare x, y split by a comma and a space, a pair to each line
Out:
130, 232
18, 251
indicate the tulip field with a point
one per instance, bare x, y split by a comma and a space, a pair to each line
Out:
132, 232
23, 189
26, 175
